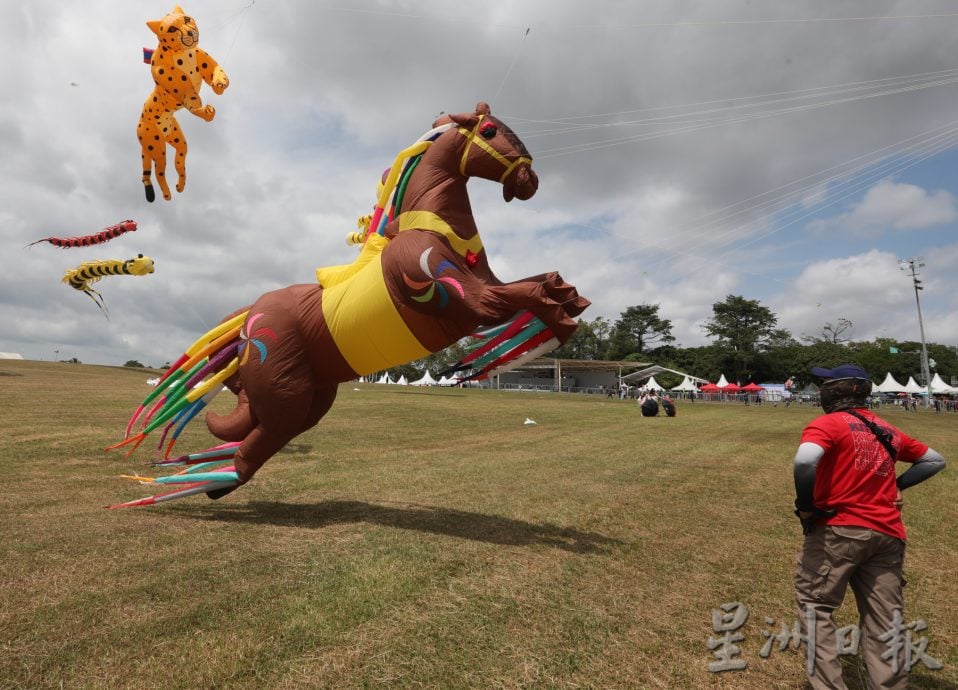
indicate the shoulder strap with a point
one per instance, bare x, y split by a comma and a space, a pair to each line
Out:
883, 436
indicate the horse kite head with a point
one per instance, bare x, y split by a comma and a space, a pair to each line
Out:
485, 147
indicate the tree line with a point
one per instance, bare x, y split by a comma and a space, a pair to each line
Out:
747, 345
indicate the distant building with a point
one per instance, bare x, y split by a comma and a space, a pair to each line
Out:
10, 355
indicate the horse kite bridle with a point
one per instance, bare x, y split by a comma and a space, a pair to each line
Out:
486, 129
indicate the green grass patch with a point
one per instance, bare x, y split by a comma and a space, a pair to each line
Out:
424, 538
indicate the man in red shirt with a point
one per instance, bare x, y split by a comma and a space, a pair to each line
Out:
849, 502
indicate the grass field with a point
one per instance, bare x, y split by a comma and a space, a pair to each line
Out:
425, 538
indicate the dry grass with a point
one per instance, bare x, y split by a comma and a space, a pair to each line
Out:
423, 538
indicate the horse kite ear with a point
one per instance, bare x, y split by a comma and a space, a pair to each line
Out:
467, 120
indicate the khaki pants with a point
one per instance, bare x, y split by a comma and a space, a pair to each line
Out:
832, 558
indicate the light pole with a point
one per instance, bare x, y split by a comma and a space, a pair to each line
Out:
912, 265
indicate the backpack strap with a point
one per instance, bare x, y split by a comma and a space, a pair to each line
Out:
883, 436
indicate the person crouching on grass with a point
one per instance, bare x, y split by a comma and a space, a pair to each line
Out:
849, 501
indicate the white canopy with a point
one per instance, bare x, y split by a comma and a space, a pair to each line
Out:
890, 385
686, 385
643, 374
402, 381
939, 386
913, 387
447, 381
722, 382
384, 379
426, 380
652, 384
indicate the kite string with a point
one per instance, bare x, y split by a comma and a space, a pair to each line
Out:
915, 153
734, 119
515, 59
860, 173
649, 25
239, 25
569, 120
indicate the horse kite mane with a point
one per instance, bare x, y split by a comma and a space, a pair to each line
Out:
421, 282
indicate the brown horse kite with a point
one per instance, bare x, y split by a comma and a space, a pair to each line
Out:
421, 285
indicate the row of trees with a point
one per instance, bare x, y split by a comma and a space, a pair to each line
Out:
748, 345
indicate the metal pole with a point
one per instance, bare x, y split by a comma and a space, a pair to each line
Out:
925, 372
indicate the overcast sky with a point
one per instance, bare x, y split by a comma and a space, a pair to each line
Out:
787, 152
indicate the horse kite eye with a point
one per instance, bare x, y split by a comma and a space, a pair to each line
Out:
488, 130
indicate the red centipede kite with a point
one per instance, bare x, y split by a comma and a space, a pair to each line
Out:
104, 235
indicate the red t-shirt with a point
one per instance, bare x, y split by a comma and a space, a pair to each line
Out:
856, 476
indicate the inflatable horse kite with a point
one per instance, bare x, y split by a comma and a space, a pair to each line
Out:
421, 283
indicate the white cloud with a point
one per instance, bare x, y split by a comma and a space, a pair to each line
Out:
872, 292
893, 205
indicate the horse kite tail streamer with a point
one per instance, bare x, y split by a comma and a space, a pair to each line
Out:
104, 235
199, 478
187, 387
83, 276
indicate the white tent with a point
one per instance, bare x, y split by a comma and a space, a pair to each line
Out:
426, 380
939, 386
890, 385
913, 387
446, 381
686, 385
402, 381
643, 374
722, 382
384, 379
654, 385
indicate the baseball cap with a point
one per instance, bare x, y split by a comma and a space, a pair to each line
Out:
842, 371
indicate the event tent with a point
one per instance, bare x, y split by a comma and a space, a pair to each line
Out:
426, 380
643, 374
654, 385
710, 388
939, 386
752, 387
913, 387
686, 385
890, 385
722, 382
384, 379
